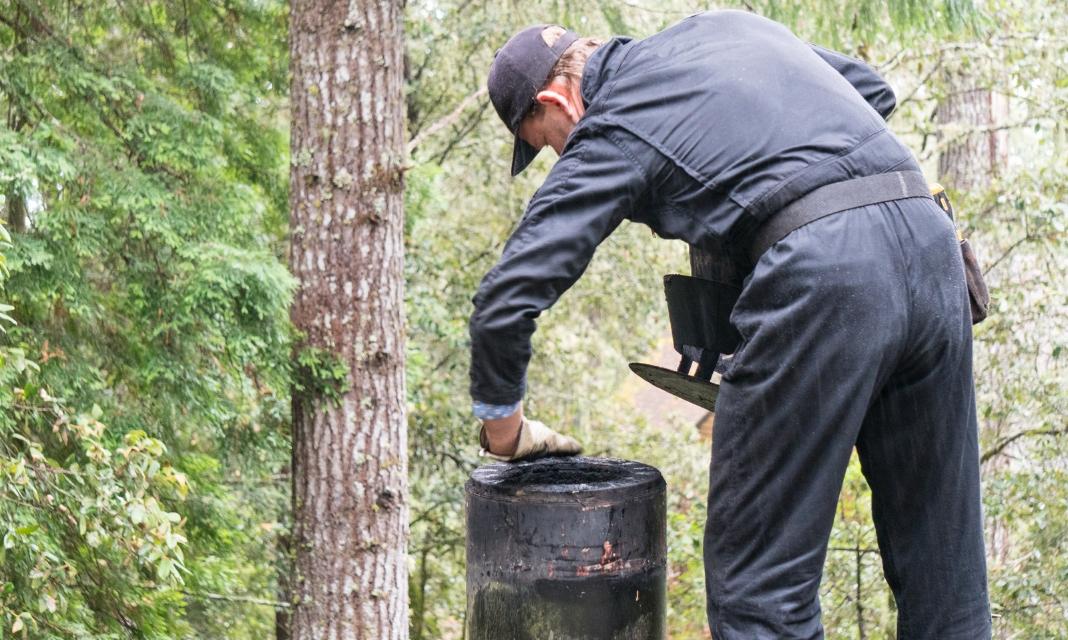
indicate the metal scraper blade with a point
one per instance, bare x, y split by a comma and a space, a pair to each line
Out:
700, 392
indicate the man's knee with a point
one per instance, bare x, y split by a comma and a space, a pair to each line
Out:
733, 620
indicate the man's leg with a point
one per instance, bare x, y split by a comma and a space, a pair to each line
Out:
823, 320
919, 452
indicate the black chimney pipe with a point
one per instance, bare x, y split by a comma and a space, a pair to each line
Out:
566, 549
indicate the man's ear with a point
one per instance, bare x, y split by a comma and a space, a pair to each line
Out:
556, 98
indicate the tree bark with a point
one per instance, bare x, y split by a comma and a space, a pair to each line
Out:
17, 215
346, 249
970, 162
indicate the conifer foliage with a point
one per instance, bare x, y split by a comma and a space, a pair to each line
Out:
143, 364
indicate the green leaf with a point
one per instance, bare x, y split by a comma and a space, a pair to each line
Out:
27, 530
136, 511
165, 569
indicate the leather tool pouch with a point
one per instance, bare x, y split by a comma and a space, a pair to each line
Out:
978, 294
700, 315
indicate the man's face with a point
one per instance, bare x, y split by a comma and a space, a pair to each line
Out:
546, 128
560, 109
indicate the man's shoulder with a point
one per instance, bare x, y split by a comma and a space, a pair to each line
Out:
709, 24
722, 40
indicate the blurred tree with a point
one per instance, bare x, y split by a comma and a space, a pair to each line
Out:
142, 158
350, 457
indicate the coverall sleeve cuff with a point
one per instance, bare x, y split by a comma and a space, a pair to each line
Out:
484, 411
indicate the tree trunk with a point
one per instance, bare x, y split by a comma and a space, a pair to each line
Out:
346, 249
975, 150
17, 215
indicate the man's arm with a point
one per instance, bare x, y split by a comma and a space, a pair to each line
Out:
864, 79
589, 191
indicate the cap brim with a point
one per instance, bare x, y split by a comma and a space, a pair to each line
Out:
522, 155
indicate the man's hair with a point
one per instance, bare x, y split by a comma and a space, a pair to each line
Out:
570, 65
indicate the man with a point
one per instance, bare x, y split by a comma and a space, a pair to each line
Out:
729, 133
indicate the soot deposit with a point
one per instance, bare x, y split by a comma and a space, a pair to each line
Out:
561, 472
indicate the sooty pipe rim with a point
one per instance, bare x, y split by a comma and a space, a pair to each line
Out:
564, 478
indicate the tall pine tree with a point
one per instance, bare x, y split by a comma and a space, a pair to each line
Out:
349, 433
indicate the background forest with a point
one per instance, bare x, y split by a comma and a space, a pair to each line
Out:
147, 355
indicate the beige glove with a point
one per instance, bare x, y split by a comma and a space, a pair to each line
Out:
535, 440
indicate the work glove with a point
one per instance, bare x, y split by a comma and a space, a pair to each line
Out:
535, 441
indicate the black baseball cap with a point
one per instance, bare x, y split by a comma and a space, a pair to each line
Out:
519, 70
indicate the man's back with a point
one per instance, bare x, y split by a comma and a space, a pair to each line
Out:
743, 107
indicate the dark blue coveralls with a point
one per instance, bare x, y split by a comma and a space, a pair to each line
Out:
855, 328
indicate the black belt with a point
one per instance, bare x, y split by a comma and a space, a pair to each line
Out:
835, 198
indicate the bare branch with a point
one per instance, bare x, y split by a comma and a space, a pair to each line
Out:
923, 81
1005, 442
893, 61
447, 120
1005, 254
657, 10
962, 133
861, 550
468, 126
196, 595
992, 44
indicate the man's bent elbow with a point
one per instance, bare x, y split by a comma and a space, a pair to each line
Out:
885, 102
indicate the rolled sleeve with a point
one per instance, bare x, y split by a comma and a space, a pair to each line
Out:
868, 83
592, 187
